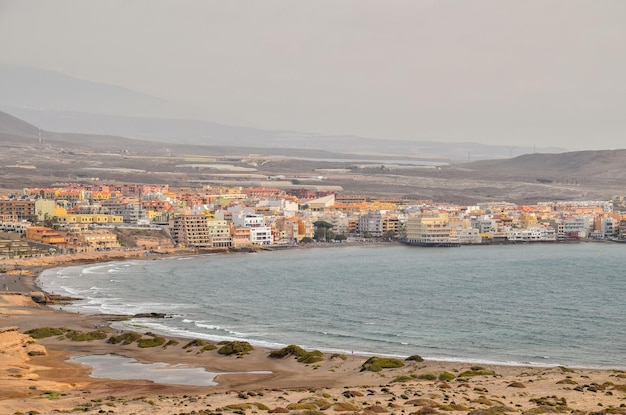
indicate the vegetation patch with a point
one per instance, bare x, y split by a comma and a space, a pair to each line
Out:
302, 406
170, 342
376, 364
446, 376
151, 342
195, 343
208, 347
125, 338
415, 358
402, 378
43, 332
86, 336
567, 381
300, 354
477, 371
234, 347
50, 394
247, 405
427, 376
291, 350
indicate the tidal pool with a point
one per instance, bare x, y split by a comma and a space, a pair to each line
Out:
112, 366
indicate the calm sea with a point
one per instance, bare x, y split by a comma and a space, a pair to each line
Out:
538, 304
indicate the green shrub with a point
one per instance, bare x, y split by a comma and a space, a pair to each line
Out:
311, 357
446, 376
244, 406
86, 336
376, 364
415, 358
427, 376
151, 342
50, 394
402, 378
301, 355
234, 347
125, 338
43, 332
301, 406
291, 350
195, 343
208, 347
170, 342
477, 371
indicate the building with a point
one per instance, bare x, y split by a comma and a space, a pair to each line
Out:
429, 229
191, 231
21, 209
371, 224
44, 235
219, 234
99, 239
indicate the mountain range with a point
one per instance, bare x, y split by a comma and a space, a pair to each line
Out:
58, 102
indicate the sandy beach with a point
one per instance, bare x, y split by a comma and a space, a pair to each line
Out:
35, 376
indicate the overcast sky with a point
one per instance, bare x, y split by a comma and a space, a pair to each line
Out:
544, 73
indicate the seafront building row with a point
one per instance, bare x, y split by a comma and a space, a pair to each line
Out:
77, 218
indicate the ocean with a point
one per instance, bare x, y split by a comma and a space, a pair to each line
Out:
527, 304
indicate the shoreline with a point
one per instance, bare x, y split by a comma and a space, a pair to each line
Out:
32, 273
25, 384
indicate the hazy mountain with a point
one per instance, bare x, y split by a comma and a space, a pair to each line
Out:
57, 102
26, 87
196, 132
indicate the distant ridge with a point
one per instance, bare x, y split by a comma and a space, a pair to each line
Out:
11, 126
585, 165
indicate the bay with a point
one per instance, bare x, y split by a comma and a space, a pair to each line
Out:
529, 304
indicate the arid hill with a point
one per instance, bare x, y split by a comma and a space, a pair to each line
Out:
28, 161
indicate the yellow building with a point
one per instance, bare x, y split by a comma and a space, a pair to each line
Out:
98, 239
89, 218
44, 235
429, 229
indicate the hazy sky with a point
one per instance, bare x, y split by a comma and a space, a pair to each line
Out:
544, 73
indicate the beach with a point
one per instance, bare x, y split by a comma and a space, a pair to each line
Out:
36, 377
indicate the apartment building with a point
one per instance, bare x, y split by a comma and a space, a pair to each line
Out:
86, 218
371, 223
191, 231
98, 239
21, 209
219, 234
44, 235
428, 229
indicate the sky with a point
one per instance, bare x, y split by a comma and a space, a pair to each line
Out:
539, 73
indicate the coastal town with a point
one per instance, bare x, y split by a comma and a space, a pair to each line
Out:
78, 218
44, 227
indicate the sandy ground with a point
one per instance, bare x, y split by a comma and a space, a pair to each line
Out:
35, 377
